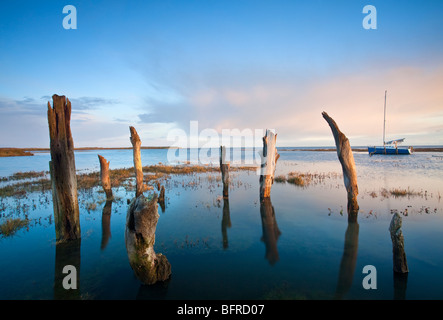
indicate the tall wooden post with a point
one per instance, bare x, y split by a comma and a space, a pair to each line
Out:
224, 168
268, 164
136, 143
62, 169
346, 158
104, 177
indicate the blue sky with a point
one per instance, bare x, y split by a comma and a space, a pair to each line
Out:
157, 65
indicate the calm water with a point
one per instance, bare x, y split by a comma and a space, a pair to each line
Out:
298, 252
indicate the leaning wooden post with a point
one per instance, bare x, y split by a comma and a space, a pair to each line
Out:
269, 158
346, 158
224, 168
62, 170
398, 245
136, 143
104, 176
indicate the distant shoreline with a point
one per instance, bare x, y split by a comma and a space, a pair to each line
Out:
23, 152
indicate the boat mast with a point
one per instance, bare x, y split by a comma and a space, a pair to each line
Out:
384, 121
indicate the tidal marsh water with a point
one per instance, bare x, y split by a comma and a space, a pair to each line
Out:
304, 249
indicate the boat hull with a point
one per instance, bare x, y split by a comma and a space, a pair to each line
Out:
388, 150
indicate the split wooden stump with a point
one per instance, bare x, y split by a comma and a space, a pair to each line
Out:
62, 170
104, 177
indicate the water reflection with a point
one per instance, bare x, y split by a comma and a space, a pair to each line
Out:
271, 233
106, 224
155, 291
400, 285
226, 222
349, 258
66, 253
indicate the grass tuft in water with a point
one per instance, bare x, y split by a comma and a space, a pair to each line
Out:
11, 226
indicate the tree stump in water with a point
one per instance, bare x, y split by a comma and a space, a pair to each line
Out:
62, 170
346, 157
269, 158
398, 246
104, 177
141, 223
224, 168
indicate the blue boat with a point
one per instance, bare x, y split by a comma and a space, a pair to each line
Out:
390, 147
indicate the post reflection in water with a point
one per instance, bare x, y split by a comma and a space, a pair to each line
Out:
226, 222
349, 259
66, 253
400, 285
271, 233
106, 224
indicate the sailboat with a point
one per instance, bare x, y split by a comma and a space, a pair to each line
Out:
389, 147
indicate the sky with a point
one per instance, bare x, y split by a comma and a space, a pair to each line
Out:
242, 65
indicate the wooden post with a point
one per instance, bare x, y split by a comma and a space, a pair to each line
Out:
268, 164
104, 177
398, 246
62, 169
224, 168
141, 223
346, 158
136, 143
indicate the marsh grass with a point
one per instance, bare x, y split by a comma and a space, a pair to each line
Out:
87, 181
11, 226
304, 179
14, 152
397, 193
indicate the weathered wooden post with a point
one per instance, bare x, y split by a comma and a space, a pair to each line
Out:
224, 168
398, 246
136, 143
62, 170
104, 177
269, 158
346, 158
141, 223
